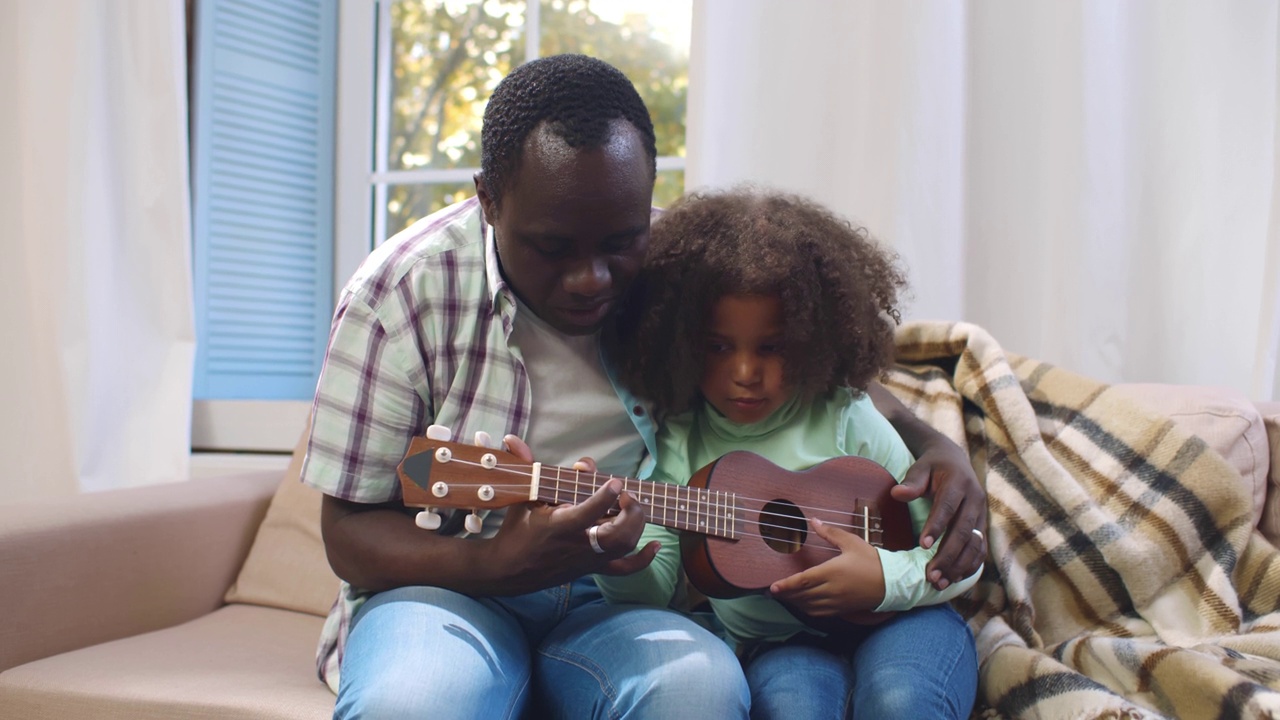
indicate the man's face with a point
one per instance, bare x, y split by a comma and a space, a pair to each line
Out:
574, 225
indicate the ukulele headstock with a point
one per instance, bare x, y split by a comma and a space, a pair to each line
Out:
438, 473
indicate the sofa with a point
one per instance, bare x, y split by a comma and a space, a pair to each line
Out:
205, 598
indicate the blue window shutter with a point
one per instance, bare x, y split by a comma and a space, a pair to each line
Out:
262, 186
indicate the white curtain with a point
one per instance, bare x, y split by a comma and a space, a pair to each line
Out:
1095, 182
97, 326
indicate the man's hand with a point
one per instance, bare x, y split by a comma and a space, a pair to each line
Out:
543, 546
378, 546
959, 513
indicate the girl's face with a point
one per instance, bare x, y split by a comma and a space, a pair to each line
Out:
742, 375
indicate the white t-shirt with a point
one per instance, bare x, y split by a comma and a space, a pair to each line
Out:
576, 410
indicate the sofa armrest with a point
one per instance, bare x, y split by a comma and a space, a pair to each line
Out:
112, 564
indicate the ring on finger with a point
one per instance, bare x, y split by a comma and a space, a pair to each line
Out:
978, 532
593, 536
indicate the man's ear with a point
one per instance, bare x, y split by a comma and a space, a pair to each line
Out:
487, 204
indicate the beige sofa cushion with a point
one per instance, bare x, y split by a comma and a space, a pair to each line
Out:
238, 662
1228, 421
287, 567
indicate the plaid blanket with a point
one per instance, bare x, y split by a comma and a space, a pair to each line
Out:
1125, 578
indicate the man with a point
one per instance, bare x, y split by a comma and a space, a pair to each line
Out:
484, 317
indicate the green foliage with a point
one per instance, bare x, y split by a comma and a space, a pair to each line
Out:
450, 54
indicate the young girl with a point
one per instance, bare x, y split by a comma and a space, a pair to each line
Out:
759, 320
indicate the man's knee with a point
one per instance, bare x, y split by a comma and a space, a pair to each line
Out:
640, 663
426, 652
379, 703
707, 678
412, 695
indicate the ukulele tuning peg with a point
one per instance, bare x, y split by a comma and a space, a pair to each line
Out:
440, 433
427, 520
473, 524
483, 440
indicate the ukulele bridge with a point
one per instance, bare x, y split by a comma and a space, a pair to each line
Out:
866, 523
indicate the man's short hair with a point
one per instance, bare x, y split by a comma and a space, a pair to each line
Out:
576, 95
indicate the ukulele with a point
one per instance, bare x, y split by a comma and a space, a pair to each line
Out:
743, 521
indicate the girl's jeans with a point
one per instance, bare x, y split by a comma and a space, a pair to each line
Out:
919, 664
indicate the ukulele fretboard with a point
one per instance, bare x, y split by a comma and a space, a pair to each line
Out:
711, 512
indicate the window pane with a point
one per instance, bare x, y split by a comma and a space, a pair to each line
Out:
407, 204
447, 56
668, 187
648, 40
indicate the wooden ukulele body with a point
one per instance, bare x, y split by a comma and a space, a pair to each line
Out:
775, 505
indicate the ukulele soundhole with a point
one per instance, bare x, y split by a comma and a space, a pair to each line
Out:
783, 526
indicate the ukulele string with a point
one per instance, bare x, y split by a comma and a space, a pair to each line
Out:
705, 530
578, 494
818, 512
813, 510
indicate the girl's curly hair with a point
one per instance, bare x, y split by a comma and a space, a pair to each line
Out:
838, 289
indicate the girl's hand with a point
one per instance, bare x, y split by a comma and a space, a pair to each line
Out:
851, 582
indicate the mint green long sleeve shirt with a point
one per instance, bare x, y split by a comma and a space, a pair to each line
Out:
797, 436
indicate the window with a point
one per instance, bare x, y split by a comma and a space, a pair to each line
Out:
439, 61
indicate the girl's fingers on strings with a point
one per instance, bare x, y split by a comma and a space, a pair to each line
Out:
831, 533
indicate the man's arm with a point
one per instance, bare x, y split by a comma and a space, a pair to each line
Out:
959, 500
378, 546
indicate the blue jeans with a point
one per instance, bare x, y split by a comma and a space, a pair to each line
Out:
424, 652
919, 664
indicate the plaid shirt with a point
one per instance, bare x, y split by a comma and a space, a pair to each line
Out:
419, 336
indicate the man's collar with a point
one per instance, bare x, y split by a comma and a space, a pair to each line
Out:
492, 267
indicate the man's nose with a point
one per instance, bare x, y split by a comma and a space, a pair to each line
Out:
590, 278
